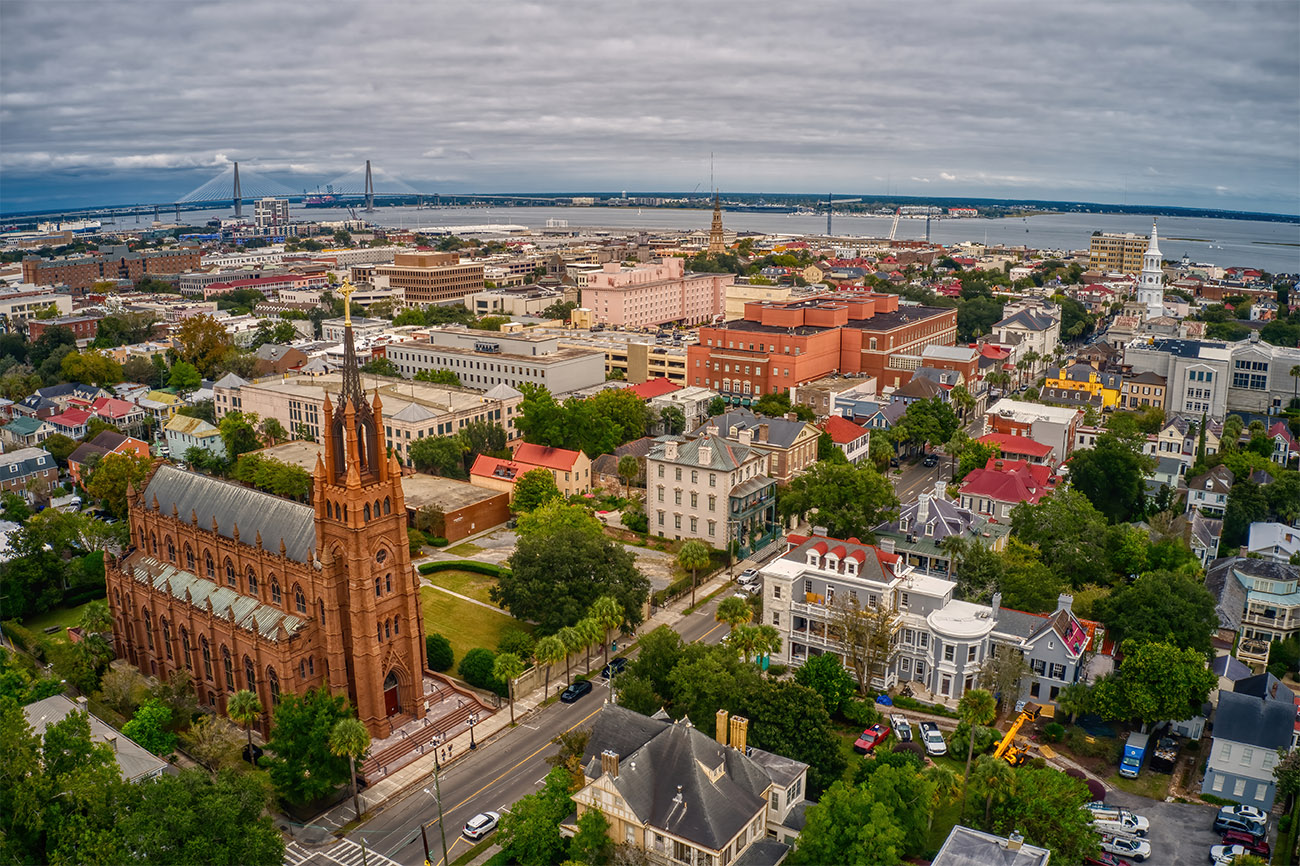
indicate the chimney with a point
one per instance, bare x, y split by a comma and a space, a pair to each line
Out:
609, 763
762, 432
791, 416
82, 703
712, 430
720, 728
670, 450
996, 604
887, 545
1064, 601
1014, 841
739, 732
111, 739
922, 509
745, 437
940, 490
998, 465
705, 453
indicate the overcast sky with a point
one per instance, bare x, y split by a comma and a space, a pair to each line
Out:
1193, 104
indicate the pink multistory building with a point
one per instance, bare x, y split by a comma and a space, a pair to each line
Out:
637, 296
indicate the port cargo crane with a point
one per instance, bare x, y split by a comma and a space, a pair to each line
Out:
1007, 750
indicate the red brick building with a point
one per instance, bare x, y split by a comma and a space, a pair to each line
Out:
110, 263
252, 591
82, 327
780, 344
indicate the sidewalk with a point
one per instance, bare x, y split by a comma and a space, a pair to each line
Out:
418, 771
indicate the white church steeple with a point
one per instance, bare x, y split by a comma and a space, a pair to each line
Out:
1151, 282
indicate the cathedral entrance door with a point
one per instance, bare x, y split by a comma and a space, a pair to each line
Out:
391, 704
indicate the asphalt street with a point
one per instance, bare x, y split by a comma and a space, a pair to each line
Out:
498, 773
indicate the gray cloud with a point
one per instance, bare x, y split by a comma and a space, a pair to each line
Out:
1173, 102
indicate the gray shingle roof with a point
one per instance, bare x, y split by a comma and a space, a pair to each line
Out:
780, 432
133, 761
1027, 319
1229, 594
228, 504
1254, 721
725, 456
412, 413
244, 611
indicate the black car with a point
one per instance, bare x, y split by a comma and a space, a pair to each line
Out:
893, 463
575, 691
615, 666
930, 460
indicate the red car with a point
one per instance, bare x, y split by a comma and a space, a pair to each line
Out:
871, 737
1247, 841
1105, 858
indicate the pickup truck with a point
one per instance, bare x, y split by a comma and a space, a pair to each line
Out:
1118, 821
932, 739
902, 728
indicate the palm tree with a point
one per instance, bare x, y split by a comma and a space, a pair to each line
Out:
1295, 385
628, 470
693, 556
997, 779
734, 611
768, 642
1075, 699
744, 639
962, 397
609, 615
350, 737
508, 667
244, 708
96, 618
548, 651
572, 642
591, 633
944, 785
976, 707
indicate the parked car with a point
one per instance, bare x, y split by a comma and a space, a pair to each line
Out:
902, 728
870, 738
1223, 855
930, 460
932, 738
1250, 813
1115, 819
481, 824
1103, 858
575, 690
1256, 846
1125, 846
893, 463
1227, 820
749, 575
615, 666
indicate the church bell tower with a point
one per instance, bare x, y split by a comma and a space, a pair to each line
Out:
375, 636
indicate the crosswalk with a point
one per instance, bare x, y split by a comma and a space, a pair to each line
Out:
344, 852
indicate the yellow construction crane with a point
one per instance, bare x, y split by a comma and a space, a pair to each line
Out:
1007, 751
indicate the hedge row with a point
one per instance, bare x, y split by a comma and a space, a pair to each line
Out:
464, 565
25, 639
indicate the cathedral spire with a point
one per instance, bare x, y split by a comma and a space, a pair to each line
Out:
351, 392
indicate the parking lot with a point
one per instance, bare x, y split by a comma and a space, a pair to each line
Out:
1181, 833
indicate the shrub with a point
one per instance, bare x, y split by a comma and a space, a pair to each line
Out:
912, 748
861, 713
986, 739
517, 641
436, 540
464, 565
777, 671
439, 651
476, 669
907, 703
1054, 732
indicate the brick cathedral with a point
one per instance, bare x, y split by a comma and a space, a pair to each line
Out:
247, 590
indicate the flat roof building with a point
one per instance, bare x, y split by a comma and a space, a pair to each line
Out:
430, 278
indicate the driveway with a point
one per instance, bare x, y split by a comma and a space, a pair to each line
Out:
1181, 833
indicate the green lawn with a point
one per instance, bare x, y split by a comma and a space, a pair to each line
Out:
64, 617
1148, 784
465, 624
467, 583
467, 548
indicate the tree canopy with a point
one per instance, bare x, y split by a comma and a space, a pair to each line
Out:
1156, 682
848, 500
1111, 474
1167, 606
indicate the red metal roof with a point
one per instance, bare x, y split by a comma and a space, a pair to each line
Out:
652, 388
551, 458
1009, 443
843, 431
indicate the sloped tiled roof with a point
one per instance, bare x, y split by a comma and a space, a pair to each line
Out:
552, 458
1009, 443
780, 432
230, 380
244, 611
843, 431
229, 503
652, 388
920, 388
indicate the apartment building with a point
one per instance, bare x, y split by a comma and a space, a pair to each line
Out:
790, 443
1258, 600
778, 346
1144, 389
21, 304
22, 467
412, 410
1114, 253
640, 295
520, 301
430, 278
1054, 426
109, 263
713, 490
485, 359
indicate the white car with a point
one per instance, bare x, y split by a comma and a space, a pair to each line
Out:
1123, 846
749, 575
932, 738
902, 728
481, 824
1250, 813
1223, 855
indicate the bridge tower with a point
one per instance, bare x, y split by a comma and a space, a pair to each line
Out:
828, 213
370, 190
239, 197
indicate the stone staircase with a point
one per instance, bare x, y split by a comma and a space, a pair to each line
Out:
410, 747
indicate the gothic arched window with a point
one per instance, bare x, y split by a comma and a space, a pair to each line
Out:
275, 590
367, 512
208, 565
273, 682
250, 675
171, 550
299, 600
230, 573
397, 625
189, 557
186, 648
148, 629
251, 578
379, 632
388, 507
166, 635
228, 666
153, 543
207, 657
321, 603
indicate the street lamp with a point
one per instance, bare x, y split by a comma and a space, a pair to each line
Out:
436, 793
473, 720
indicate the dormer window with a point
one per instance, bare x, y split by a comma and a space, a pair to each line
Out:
929, 529
850, 567
813, 559
903, 523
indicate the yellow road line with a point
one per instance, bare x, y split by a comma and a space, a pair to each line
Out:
502, 776
707, 633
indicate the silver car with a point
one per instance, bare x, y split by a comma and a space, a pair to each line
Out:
481, 824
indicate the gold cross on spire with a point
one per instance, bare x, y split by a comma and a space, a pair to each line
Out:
346, 292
